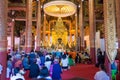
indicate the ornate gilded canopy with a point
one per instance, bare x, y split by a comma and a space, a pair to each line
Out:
60, 8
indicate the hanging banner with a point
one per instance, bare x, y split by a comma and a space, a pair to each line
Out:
110, 29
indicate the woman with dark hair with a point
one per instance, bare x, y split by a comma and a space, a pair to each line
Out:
101, 74
18, 74
100, 59
44, 74
34, 70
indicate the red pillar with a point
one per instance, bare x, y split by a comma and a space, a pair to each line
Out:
92, 30
28, 36
38, 39
81, 23
108, 65
12, 34
3, 37
118, 32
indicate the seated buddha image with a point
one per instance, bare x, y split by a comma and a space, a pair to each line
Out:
59, 43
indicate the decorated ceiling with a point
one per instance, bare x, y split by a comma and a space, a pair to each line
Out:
17, 11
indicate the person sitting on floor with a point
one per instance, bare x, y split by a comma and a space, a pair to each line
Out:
101, 75
44, 74
34, 70
77, 58
18, 75
70, 61
56, 70
64, 62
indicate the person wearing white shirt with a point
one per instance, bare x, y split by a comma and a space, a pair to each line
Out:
64, 62
8, 73
48, 63
18, 75
101, 75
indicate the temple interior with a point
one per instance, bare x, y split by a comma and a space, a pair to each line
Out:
60, 21
61, 25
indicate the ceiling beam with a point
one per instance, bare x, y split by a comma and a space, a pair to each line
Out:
17, 8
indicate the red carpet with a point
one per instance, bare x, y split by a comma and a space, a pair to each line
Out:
85, 71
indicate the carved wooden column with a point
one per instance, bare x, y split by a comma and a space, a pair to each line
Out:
110, 31
3, 37
28, 39
81, 23
38, 39
92, 30
12, 34
118, 31
76, 31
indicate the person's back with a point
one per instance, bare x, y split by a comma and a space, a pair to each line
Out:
44, 74
48, 63
56, 72
70, 60
100, 59
34, 70
101, 75
18, 74
64, 62
25, 63
42, 59
17, 77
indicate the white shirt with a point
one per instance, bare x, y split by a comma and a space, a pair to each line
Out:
38, 62
46, 78
8, 73
48, 64
47, 56
64, 62
101, 75
18, 75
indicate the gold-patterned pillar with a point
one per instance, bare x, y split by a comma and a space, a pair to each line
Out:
49, 35
28, 36
70, 32
76, 31
38, 37
3, 38
118, 31
44, 30
92, 30
110, 30
81, 23
12, 34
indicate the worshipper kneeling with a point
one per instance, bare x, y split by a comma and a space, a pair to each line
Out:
71, 61
64, 62
44, 74
18, 74
56, 70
